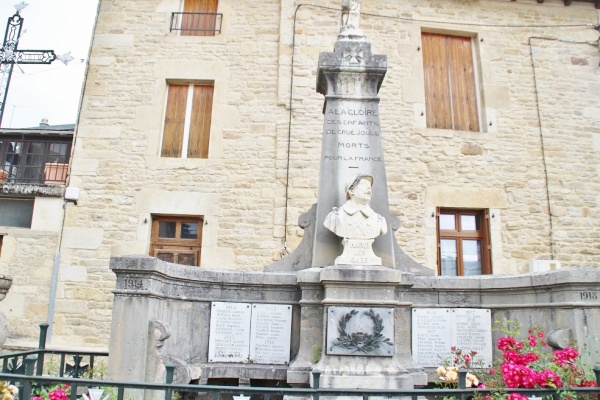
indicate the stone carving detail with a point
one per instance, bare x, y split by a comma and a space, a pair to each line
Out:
360, 331
351, 13
357, 223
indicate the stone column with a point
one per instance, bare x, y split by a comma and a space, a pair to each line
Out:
350, 78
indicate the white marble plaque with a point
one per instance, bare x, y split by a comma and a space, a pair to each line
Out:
229, 339
360, 331
271, 330
473, 331
431, 335
436, 330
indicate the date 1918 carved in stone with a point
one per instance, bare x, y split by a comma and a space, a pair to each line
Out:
357, 223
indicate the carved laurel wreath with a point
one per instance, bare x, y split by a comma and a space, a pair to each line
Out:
360, 341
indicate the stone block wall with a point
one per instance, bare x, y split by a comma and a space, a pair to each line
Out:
530, 88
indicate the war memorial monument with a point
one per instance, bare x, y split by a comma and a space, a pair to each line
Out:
348, 301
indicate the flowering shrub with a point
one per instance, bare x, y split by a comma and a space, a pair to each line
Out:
56, 392
530, 363
8, 391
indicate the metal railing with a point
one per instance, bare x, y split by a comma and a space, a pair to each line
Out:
69, 363
28, 383
196, 24
29, 378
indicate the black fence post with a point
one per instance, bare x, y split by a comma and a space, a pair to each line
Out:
169, 380
597, 372
316, 383
43, 333
462, 382
42, 346
26, 391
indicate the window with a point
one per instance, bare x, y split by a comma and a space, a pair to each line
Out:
16, 212
177, 239
187, 121
34, 159
450, 86
199, 18
463, 242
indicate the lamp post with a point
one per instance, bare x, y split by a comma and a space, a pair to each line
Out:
10, 55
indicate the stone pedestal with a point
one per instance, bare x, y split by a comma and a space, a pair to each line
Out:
370, 326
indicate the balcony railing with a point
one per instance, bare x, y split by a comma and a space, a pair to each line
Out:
196, 24
34, 160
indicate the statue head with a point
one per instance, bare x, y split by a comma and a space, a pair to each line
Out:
355, 181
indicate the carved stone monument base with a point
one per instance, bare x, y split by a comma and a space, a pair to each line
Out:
358, 251
364, 319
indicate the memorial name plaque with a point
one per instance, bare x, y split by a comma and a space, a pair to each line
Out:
360, 331
431, 336
270, 333
436, 330
229, 338
244, 332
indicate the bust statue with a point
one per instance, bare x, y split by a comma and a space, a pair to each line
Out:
357, 223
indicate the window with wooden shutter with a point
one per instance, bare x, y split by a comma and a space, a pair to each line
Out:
450, 86
199, 18
463, 242
177, 239
187, 121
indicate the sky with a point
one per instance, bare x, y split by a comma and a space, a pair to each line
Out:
49, 91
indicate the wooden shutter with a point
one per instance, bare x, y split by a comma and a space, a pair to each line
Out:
200, 123
462, 80
437, 85
450, 92
195, 24
174, 121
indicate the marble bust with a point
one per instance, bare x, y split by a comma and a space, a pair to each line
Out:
357, 223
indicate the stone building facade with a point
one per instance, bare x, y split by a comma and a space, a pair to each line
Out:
532, 164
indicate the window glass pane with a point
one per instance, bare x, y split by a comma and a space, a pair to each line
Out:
186, 259
189, 230
469, 223
447, 222
16, 213
166, 229
472, 257
168, 257
448, 254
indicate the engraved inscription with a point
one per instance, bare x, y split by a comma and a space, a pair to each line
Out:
270, 333
229, 338
353, 131
589, 295
133, 283
436, 330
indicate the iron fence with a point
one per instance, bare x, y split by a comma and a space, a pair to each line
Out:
56, 362
29, 378
27, 384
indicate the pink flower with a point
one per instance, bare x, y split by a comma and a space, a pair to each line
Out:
58, 394
509, 343
549, 379
532, 341
516, 396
